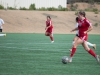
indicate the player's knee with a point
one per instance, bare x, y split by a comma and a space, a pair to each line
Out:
74, 45
50, 35
74, 39
46, 34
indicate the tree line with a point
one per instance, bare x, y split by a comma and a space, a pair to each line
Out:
33, 7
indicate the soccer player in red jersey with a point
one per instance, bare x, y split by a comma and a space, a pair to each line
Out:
84, 26
76, 37
49, 29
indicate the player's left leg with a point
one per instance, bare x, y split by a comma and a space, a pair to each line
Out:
77, 42
52, 38
74, 39
90, 51
51, 35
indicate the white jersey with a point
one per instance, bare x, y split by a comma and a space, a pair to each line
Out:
76, 27
1, 23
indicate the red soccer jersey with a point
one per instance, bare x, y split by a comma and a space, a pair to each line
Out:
48, 23
83, 26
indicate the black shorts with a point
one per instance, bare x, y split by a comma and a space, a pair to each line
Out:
0, 30
77, 35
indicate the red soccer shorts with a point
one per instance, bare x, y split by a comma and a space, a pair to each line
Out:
49, 30
84, 38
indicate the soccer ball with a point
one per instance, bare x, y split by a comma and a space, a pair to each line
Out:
64, 59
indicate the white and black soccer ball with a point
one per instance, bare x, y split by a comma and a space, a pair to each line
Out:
64, 59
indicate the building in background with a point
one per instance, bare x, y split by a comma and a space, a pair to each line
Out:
38, 3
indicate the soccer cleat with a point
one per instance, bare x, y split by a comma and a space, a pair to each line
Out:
52, 41
4, 35
70, 50
94, 46
97, 58
70, 59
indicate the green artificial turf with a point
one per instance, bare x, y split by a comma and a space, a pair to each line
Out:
33, 54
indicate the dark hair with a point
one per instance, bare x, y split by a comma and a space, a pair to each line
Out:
77, 19
48, 17
82, 13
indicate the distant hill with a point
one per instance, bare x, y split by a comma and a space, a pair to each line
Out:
84, 6
17, 21
74, 1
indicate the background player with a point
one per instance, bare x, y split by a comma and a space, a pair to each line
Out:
1, 24
84, 26
49, 29
1, 27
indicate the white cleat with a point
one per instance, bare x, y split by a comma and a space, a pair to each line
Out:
4, 35
94, 46
52, 41
97, 58
70, 50
70, 59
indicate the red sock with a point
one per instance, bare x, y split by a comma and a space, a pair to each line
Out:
92, 52
51, 37
73, 52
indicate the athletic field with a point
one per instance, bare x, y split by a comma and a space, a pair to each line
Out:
33, 54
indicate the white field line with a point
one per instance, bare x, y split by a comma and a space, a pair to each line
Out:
1, 44
35, 43
51, 49
36, 48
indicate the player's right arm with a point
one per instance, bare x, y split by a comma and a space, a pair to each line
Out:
90, 27
48, 26
74, 29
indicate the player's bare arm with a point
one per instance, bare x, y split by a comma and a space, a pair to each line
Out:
48, 26
74, 29
89, 29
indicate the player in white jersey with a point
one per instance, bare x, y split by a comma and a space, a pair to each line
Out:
1, 23
1, 27
76, 37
